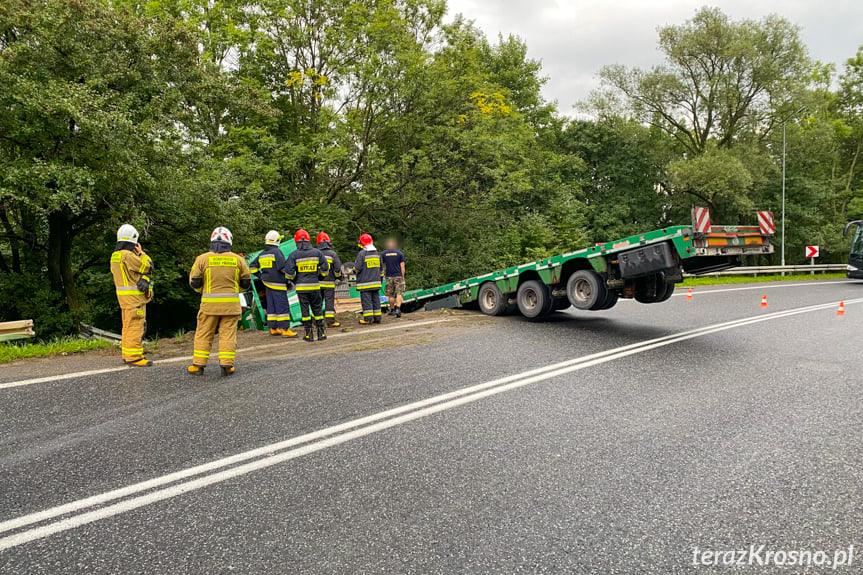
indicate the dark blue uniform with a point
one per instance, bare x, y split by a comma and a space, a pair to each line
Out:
305, 267
269, 266
369, 273
328, 284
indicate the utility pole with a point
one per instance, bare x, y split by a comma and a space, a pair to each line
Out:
784, 123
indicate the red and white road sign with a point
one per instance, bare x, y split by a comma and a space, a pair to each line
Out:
812, 251
701, 220
766, 223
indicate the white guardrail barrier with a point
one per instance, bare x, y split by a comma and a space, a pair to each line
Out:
778, 270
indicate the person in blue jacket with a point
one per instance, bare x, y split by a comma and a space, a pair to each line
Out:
269, 267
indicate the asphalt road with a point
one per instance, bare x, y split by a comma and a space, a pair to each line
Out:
626, 441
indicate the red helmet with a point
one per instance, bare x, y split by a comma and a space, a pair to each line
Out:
365, 240
323, 237
302, 235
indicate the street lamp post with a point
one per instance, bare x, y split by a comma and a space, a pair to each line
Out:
784, 123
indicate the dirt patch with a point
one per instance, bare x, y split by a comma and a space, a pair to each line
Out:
350, 337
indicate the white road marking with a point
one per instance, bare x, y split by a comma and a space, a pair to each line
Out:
696, 291
273, 454
78, 374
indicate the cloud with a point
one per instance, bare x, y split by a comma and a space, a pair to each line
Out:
575, 38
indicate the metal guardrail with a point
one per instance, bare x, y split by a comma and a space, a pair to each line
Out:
91, 332
777, 270
12, 330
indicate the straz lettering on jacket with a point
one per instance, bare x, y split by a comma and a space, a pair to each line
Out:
222, 262
373, 262
266, 262
309, 266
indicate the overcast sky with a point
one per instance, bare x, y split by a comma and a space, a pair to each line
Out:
575, 38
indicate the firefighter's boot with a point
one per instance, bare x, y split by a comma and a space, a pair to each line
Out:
275, 331
333, 323
140, 363
309, 333
228, 370
195, 369
322, 331
364, 321
288, 332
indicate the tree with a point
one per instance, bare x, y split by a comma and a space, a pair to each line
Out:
88, 106
624, 165
722, 81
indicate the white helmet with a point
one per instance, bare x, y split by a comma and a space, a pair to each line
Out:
127, 233
222, 234
273, 238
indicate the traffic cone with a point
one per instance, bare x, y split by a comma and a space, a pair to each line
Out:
841, 310
689, 294
764, 301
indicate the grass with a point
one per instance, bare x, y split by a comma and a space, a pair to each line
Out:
64, 345
713, 280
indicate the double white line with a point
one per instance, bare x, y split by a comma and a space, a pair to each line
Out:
111, 503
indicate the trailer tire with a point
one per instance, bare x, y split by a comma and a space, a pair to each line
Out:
490, 300
668, 293
611, 300
656, 283
534, 299
586, 290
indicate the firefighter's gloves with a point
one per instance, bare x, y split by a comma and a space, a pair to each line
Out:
290, 285
245, 284
197, 284
145, 285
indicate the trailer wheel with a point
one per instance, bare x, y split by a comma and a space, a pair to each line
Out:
653, 289
611, 300
668, 293
534, 299
586, 290
490, 300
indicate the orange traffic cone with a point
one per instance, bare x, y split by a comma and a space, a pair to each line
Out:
764, 300
841, 310
689, 295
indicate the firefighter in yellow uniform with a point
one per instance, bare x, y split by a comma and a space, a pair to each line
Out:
131, 269
220, 276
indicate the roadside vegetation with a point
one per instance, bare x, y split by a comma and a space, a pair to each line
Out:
713, 280
11, 351
387, 117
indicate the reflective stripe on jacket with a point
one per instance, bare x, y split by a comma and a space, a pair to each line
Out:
270, 265
369, 270
306, 266
334, 262
127, 267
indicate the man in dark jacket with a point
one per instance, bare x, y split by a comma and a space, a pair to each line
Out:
305, 267
369, 273
269, 266
328, 284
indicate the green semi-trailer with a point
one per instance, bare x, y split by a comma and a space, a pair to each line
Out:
644, 267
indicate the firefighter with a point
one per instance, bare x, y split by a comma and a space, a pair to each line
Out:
131, 269
269, 265
328, 284
219, 275
369, 273
305, 268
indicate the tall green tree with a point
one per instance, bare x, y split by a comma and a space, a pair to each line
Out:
723, 88
89, 102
